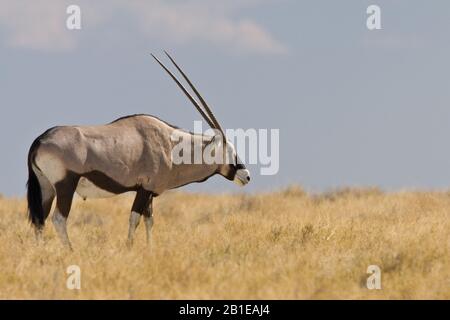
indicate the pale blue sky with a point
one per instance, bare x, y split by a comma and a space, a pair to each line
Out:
354, 107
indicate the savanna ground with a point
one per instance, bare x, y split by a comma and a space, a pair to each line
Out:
281, 245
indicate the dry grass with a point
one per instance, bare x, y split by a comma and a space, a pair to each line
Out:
288, 245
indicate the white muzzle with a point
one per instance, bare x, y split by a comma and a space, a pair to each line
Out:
242, 177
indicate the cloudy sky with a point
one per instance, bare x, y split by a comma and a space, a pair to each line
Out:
354, 107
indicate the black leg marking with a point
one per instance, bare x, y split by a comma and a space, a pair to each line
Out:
65, 190
142, 201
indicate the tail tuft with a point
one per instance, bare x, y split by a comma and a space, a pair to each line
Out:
34, 192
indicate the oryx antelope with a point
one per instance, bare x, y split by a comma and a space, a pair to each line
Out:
133, 153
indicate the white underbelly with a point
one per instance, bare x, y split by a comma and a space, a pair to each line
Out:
86, 189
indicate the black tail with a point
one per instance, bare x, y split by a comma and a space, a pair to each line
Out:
34, 192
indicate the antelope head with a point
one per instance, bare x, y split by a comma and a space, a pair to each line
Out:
231, 167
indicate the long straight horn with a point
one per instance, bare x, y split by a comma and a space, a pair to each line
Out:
203, 102
191, 98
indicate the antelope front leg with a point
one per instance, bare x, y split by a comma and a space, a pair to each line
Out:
148, 219
140, 205
135, 218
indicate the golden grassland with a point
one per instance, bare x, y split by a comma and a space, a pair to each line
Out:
280, 245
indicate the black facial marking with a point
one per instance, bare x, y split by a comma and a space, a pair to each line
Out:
239, 165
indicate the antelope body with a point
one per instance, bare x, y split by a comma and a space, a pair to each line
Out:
133, 153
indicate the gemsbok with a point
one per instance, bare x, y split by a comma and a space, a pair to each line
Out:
131, 154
